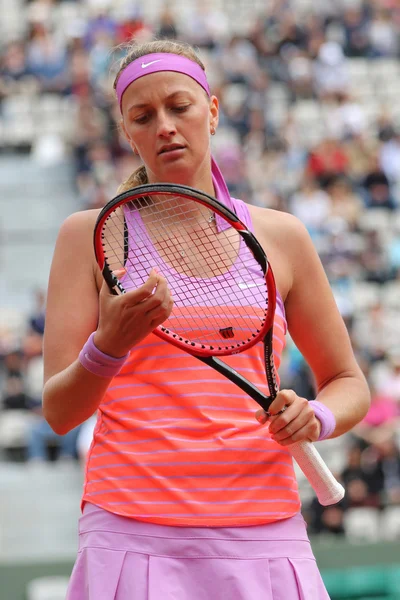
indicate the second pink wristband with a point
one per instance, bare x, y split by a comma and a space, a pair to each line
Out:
99, 363
326, 417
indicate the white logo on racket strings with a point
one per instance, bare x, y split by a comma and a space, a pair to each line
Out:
245, 286
144, 65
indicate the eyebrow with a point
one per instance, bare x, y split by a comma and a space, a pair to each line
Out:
169, 97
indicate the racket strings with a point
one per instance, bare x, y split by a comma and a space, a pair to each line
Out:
219, 289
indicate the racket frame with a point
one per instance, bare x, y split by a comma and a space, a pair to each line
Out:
189, 193
328, 490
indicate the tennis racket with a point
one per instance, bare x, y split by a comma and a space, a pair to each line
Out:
222, 285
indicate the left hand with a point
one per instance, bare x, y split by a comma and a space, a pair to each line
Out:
291, 419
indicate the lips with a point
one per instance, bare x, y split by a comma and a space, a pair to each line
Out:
170, 148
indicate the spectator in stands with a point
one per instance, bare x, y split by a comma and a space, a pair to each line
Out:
382, 420
356, 31
375, 331
327, 161
384, 456
390, 158
346, 118
238, 60
345, 204
386, 129
47, 58
311, 205
41, 437
168, 27
206, 26
391, 383
15, 396
376, 186
325, 520
300, 73
359, 149
14, 363
36, 318
362, 481
330, 72
383, 34
373, 258
101, 23
132, 25
15, 74
16, 418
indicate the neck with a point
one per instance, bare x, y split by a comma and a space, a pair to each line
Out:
200, 180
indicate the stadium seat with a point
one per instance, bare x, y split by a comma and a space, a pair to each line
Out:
384, 70
390, 523
14, 428
364, 295
396, 216
47, 588
362, 524
391, 295
376, 220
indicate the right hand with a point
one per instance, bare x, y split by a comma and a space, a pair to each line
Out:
127, 319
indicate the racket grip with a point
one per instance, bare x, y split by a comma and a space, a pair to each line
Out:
328, 490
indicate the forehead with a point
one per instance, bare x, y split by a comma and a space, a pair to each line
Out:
159, 85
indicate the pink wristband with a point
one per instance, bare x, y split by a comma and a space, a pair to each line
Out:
98, 363
326, 417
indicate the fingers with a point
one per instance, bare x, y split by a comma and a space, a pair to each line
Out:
126, 319
159, 306
292, 419
153, 298
145, 290
283, 399
140, 294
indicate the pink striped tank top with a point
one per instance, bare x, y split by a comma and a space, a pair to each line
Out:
176, 443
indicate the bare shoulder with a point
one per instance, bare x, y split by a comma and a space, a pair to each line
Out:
78, 223
76, 232
74, 253
286, 242
277, 225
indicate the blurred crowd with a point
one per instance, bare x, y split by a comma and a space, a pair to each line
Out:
309, 123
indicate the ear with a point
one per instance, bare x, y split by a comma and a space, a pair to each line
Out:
214, 112
122, 126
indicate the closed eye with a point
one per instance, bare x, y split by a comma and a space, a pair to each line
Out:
141, 120
180, 109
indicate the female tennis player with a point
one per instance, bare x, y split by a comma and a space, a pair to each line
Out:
189, 492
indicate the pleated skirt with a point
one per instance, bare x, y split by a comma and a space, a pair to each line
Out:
124, 559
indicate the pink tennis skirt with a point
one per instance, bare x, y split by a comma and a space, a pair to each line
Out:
123, 559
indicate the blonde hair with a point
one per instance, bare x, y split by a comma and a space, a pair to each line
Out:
135, 51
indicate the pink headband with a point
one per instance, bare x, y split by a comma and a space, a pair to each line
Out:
162, 61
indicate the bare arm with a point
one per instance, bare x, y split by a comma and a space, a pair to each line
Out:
71, 393
76, 308
319, 332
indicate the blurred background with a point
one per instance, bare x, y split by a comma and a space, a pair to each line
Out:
310, 124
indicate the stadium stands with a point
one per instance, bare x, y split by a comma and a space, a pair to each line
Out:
310, 124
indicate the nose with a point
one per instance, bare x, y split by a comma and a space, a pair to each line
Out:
165, 124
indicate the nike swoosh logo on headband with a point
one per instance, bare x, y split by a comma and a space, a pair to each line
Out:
144, 65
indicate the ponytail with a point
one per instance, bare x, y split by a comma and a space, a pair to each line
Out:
138, 177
